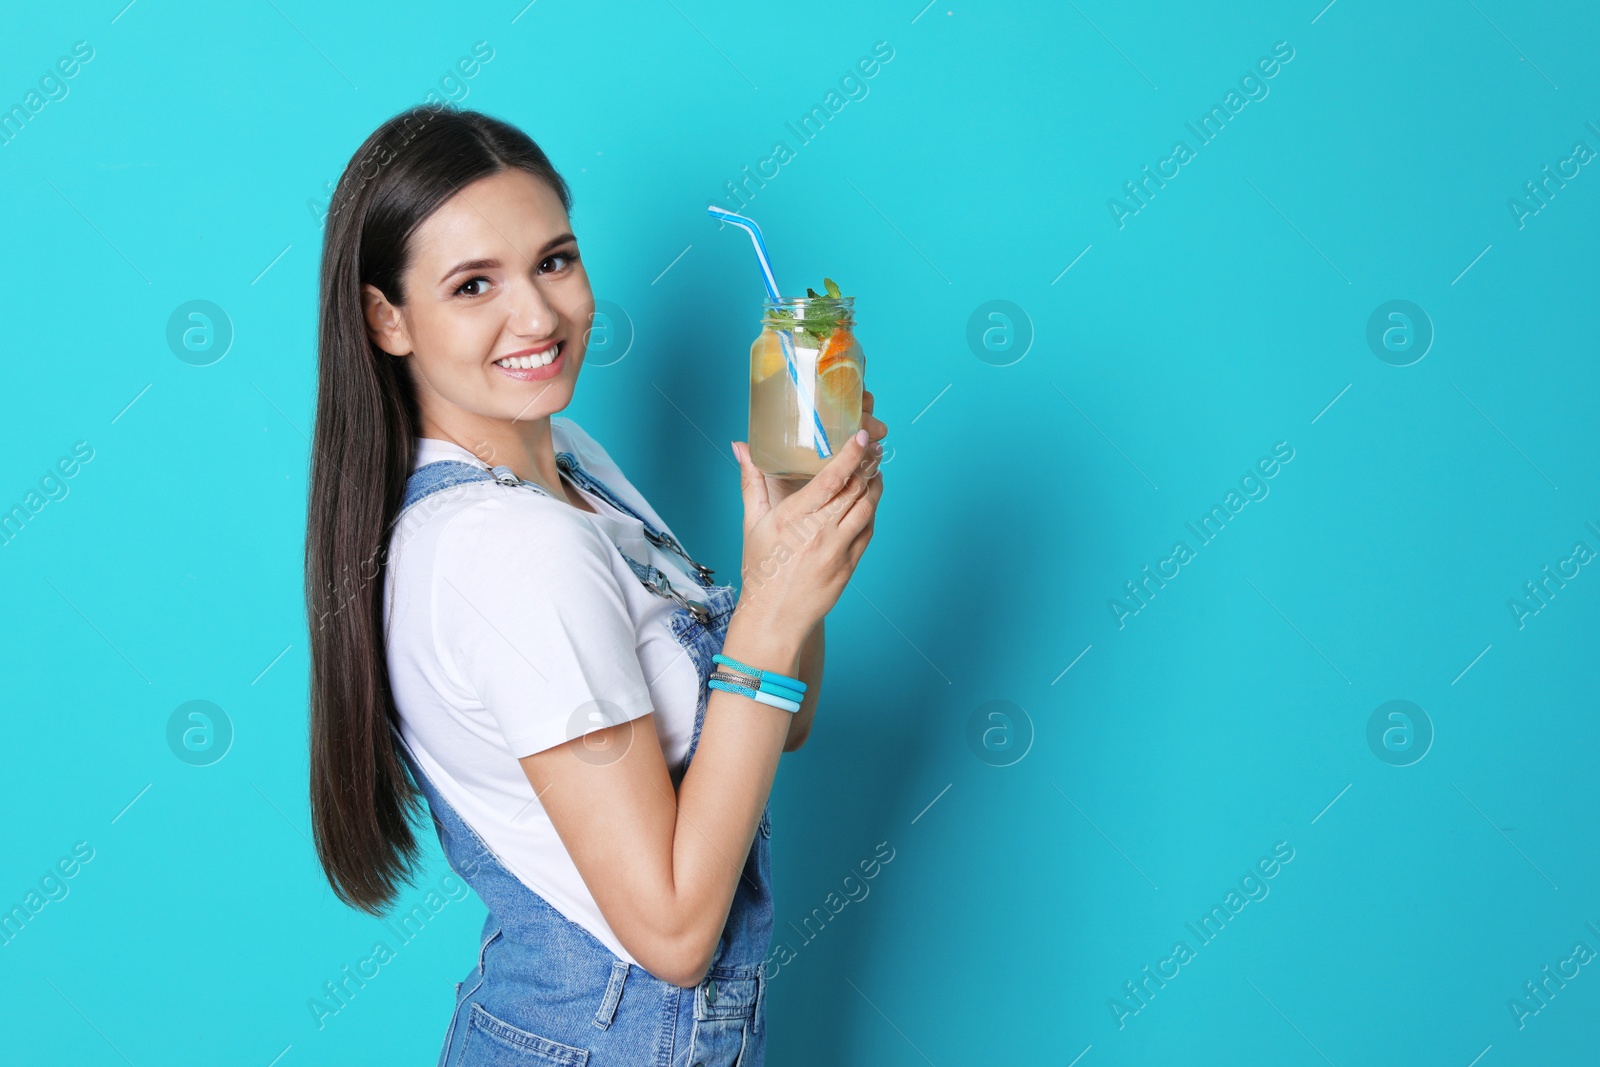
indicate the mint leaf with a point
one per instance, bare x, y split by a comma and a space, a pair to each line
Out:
815, 323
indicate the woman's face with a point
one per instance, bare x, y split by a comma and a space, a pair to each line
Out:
494, 288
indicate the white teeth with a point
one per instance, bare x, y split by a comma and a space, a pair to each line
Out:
543, 359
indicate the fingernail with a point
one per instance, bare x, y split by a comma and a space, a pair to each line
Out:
861, 437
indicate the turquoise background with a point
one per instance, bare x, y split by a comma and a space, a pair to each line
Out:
190, 160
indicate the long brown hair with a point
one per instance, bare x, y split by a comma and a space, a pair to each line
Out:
363, 801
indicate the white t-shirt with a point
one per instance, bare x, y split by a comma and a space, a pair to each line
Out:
509, 615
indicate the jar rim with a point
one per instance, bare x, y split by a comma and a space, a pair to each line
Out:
808, 301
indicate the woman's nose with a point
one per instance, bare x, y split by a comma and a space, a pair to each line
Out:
531, 314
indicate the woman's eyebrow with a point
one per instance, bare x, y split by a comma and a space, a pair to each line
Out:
490, 264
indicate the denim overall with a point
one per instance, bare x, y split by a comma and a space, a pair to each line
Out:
547, 991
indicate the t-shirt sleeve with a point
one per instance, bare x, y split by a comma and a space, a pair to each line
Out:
530, 614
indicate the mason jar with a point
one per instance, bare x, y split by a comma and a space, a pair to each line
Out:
828, 364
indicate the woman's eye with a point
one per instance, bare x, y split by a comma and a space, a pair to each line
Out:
565, 259
462, 289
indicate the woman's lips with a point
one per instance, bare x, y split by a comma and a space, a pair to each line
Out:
534, 374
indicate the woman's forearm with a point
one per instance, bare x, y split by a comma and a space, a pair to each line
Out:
811, 655
696, 869
719, 804
732, 747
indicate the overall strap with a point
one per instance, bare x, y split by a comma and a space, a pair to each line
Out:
660, 538
431, 478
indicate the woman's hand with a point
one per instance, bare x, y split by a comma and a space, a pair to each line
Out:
799, 553
780, 489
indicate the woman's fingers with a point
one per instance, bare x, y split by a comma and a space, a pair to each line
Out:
858, 547
864, 507
876, 428
859, 485
752, 483
835, 476
846, 502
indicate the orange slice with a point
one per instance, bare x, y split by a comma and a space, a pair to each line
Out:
839, 344
839, 368
766, 357
841, 381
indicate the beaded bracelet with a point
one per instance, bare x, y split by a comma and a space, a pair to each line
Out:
763, 685
782, 679
790, 706
756, 682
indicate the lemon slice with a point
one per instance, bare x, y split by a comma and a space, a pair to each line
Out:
766, 357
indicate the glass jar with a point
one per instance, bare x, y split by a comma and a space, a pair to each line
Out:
818, 334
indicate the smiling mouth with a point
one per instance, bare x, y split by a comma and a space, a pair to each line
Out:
541, 359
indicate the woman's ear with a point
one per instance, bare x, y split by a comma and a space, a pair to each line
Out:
385, 325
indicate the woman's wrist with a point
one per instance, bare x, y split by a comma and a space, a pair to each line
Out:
756, 640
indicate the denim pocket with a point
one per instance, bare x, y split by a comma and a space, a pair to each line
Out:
724, 1012
493, 1042
463, 991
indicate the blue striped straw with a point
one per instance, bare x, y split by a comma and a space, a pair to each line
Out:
824, 450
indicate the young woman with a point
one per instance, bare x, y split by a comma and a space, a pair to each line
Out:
503, 626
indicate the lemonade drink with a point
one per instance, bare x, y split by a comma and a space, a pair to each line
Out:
831, 366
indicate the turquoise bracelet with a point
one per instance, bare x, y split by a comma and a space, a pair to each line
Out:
768, 686
735, 684
782, 679
764, 685
790, 706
